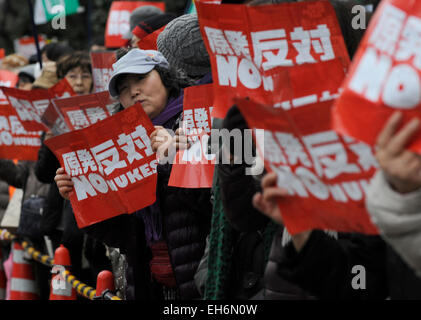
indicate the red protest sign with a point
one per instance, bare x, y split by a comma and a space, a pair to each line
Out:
309, 83
118, 22
111, 164
15, 141
248, 44
149, 42
29, 106
325, 173
102, 67
2, 53
385, 75
194, 167
7, 79
54, 120
82, 111
62, 89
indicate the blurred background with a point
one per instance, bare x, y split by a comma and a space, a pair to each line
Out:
15, 22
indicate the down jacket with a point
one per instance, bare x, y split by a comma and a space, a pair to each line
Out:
185, 223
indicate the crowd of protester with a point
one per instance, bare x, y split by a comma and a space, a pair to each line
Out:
227, 241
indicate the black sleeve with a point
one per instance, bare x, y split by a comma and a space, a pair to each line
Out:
53, 209
115, 232
325, 266
47, 165
237, 191
14, 174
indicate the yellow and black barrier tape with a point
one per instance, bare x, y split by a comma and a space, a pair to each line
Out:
36, 255
6, 235
81, 288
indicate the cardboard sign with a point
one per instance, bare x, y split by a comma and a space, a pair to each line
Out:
194, 167
111, 164
326, 174
102, 67
385, 75
248, 44
82, 111
7, 79
118, 22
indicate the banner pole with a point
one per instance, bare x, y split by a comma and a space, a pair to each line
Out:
35, 32
89, 23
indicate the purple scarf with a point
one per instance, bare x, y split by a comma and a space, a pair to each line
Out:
174, 106
151, 215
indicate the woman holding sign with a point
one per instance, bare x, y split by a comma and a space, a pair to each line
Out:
58, 221
166, 240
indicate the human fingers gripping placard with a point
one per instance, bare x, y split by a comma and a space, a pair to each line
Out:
385, 75
111, 164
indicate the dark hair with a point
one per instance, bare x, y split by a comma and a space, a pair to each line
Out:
174, 80
24, 78
119, 53
68, 62
54, 51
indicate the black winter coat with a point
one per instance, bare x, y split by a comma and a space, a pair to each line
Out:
21, 175
237, 191
186, 217
45, 170
186, 223
58, 209
277, 287
324, 268
251, 276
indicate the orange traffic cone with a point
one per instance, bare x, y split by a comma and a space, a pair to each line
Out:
23, 285
60, 288
3, 280
104, 284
